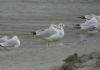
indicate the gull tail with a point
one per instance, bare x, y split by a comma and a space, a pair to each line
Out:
37, 33
82, 17
34, 33
77, 26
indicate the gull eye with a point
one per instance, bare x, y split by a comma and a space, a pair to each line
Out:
62, 25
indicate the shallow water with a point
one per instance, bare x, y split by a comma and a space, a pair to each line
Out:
59, 8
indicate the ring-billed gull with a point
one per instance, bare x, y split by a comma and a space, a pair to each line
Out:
14, 42
54, 32
88, 25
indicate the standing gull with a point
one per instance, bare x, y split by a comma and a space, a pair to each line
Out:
51, 34
14, 42
59, 32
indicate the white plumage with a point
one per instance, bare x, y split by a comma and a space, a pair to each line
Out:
14, 42
89, 24
89, 17
61, 30
52, 33
49, 33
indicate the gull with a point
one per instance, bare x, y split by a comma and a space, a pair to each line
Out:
90, 25
53, 33
90, 17
14, 42
48, 34
59, 32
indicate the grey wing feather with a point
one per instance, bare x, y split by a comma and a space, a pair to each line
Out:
47, 33
9, 43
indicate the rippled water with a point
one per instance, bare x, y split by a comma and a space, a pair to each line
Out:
21, 17
62, 8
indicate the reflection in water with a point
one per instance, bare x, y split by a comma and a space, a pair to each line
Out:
44, 43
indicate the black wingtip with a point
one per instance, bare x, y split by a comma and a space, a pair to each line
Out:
82, 17
1, 45
77, 26
34, 33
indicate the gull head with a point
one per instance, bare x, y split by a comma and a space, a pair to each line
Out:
61, 25
15, 37
17, 41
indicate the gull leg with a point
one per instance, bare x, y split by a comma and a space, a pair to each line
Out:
48, 43
34, 34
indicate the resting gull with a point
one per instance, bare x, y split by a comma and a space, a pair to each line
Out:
14, 42
90, 25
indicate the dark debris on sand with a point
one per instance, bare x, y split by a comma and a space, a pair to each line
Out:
85, 62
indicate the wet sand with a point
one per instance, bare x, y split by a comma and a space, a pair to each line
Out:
34, 54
